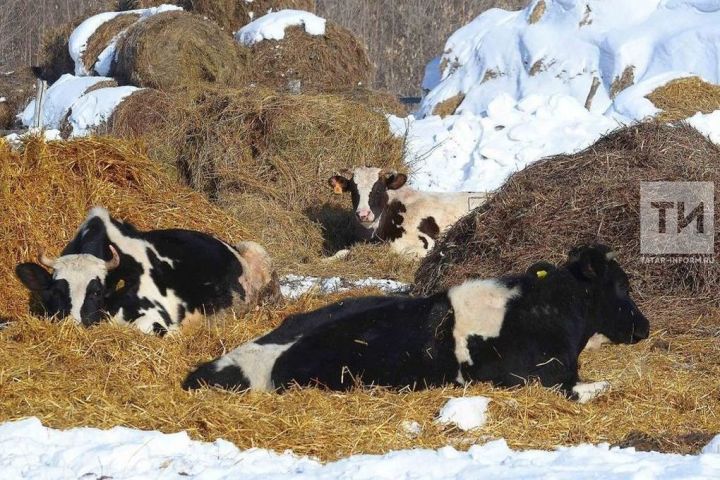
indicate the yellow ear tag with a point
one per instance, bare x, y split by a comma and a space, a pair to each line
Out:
119, 285
337, 189
541, 273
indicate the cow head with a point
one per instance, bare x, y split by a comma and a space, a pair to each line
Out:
368, 188
76, 286
614, 311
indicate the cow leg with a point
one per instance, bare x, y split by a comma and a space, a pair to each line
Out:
584, 392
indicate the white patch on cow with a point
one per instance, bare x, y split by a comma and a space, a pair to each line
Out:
596, 341
256, 362
479, 307
589, 391
365, 178
78, 271
138, 249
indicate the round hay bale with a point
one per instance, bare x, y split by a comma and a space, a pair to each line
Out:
103, 36
140, 114
178, 50
55, 59
312, 63
684, 97
7, 118
592, 196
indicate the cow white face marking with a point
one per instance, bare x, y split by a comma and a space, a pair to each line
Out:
588, 391
256, 362
85, 275
479, 307
365, 179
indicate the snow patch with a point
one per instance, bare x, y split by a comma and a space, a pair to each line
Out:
93, 109
28, 450
708, 124
272, 26
466, 413
294, 286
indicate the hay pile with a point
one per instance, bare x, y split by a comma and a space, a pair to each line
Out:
320, 63
557, 203
229, 14
684, 97
664, 390
17, 87
48, 189
178, 50
266, 157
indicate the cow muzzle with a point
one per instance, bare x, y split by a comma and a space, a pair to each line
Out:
365, 215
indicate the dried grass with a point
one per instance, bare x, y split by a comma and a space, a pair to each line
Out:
684, 97
55, 59
17, 87
592, 196
266, 156
102, 37
106, 376
179, 50
448, 106
321, 63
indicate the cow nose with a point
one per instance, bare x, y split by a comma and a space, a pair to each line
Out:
365, 215
640, 333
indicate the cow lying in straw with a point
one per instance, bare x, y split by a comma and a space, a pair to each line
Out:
506, 331
388, 210
153, 280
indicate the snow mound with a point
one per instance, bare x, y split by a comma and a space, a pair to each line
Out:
81, 35
466, 413
550, 79
707, 124
272, 26
67, 97
29, 450
294, 286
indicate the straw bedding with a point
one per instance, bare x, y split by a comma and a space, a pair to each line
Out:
591, 196
684, 97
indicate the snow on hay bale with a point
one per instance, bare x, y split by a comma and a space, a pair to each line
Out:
49, 187
684, 97
300, 51
544, 210
178, 49
229, 14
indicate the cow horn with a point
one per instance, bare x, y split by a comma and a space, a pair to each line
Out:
45, 260
114, 261
386, 172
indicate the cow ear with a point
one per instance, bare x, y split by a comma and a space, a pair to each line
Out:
395, 180
33, 276
338, 183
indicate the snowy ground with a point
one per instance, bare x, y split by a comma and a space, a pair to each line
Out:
526, 83
29, 450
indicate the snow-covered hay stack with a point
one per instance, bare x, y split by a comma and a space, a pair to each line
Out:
684, 97
299, 51
592, 196
103, 36
49, 187
229, 14
177, 49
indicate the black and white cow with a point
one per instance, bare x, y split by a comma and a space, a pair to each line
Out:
388, 210
154, 280
506, 331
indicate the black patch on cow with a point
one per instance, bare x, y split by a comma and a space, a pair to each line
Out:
387, 341
429, 227
424, 241
159, 330
230, 377
390, 228
91, 310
